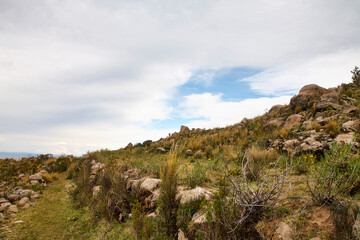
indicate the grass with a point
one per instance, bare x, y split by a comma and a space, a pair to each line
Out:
48, 219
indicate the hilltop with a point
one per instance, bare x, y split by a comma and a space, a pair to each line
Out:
292, 173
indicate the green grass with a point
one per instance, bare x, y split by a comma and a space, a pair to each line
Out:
48, 219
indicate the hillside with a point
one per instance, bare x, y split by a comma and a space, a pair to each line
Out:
292, 173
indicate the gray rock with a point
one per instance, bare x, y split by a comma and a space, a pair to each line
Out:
13, 209
306, 96
283, 232
96, 190
345, 138
23, 201
188, 196
350, 126
294, 120
290, 145
181, 235
14, 197
184, 130
149, 184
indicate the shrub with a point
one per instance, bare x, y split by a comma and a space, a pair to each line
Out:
332, 128
237, 209
140, 222
284, 133
335, 175
195, 175
47, 177
185, 213
257, 160
168, 205
356, 75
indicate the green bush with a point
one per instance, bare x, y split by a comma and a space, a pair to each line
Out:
335, 175
195, 175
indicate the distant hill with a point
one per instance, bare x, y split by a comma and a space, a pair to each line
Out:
16, 155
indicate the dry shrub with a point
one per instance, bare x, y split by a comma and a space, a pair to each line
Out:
332, 128
314, 125
47, 177
284, 133
258, 160
298, 109
240, 205
168, 205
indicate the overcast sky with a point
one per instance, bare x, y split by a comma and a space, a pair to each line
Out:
85, 75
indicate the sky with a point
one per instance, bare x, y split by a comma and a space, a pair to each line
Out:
78, 76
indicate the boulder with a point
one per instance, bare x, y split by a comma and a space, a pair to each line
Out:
3, 200
199, 218
188, 196
14, 197
350, 110
36, 177
4, 206
13, 209
290, 145
279, 122
306, 96
26, 193
345, 138
184, 130
323, 106
330, 96
189, 152
294, 120
96, 190
34, 182
283, 232
350, 126
151, 215
149, 185
275, 110
181, 235
35, 196
132, 174
23, 201
151, 200
311, 145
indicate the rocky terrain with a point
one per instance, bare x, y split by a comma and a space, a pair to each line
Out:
292, 173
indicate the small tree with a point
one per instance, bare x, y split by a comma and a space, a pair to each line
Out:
356, 75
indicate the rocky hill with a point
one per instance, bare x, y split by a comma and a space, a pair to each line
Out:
292, 173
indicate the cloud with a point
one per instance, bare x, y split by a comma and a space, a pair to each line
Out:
326, 70
71, 69
212, 111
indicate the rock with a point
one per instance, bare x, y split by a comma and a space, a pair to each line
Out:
322, 121
42, 172
4, 206
160, 149
307, 123
34, 182
35, 196
199, 218
27, 205
130, 145
330, 96
350, 110
14, 197
23, 201
96, 190
151, 215
132, 174
36, 177
151, 201
323, 106
311, 145
294, 120
189, 152
275, 110
184, 130
149, 184
345, 138
13, 209
290, 145
188, 196
350, 126
26, 193
181, 235
3, 200
121, 217
306, 96
275, 123
316, 238
2, 217
21, 176
283, 232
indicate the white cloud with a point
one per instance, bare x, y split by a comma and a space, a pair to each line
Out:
215, 112
326, 70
